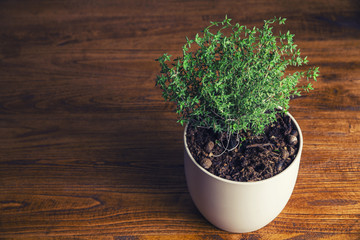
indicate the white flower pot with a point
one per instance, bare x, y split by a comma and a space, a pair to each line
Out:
240, 207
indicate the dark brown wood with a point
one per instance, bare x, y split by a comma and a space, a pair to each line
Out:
89, 150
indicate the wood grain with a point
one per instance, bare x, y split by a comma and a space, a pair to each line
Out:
89, 150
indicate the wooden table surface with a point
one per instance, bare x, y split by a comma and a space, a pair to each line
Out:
89, 150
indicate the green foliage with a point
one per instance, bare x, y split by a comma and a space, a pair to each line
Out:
236, 81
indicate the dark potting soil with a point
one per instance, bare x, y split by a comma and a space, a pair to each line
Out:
255, 158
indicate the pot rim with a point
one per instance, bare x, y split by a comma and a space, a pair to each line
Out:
273, 178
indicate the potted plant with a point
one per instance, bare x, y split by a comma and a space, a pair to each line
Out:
232, 89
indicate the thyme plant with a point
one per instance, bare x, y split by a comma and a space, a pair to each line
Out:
232, 78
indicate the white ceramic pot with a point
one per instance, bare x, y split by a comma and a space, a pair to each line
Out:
240, 207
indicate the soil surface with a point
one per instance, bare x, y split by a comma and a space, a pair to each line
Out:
253, 159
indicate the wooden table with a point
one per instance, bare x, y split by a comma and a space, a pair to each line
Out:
89, 150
